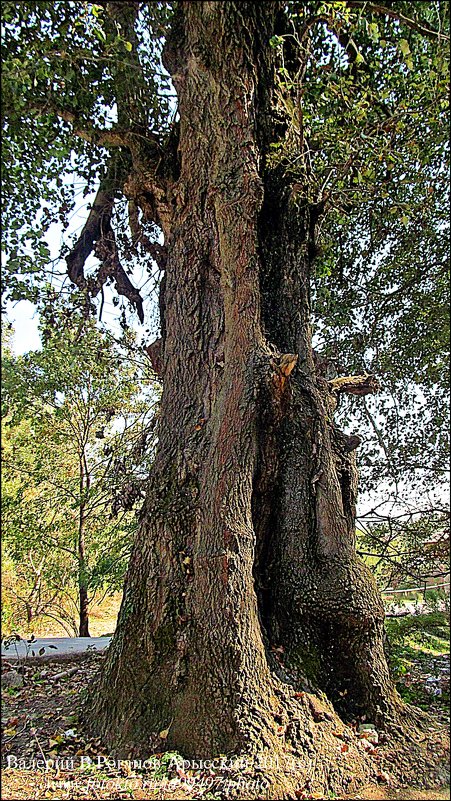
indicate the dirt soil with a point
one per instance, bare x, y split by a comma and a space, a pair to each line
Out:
40, 722
407, 795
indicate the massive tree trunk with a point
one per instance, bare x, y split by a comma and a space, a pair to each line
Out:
243, 589
318, 600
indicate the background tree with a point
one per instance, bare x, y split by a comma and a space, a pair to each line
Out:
409, 550
244, 588
77, 445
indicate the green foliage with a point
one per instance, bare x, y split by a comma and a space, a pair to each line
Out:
362, 111
413, 643
364, 105
165, 768
66, 67
77, 447
436, 624
366, 98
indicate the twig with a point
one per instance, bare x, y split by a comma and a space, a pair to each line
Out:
33, 731
64, 673
397, 15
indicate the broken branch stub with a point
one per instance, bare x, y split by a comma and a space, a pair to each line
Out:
354, 385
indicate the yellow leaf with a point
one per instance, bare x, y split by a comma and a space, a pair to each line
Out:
53, 743
163, 734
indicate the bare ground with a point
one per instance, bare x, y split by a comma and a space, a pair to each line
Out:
39, 722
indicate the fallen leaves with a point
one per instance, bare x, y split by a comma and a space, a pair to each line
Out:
47, 710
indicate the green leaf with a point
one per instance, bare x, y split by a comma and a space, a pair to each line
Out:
404, 47
373, 30
276, 41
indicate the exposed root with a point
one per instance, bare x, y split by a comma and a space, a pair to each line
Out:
310, 752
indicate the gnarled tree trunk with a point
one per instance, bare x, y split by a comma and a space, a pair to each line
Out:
244, 588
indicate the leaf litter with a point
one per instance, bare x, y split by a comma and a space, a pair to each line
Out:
40, 721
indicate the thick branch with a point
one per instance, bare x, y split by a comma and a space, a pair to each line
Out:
106, 250
153, 165
111, 137
100, 213
143, 145
98, 233
157, 251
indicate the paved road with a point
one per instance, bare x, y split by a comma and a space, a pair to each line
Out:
55, 646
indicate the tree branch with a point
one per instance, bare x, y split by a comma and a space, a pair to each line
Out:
382, 444
106, 250
157, 251
310, 22
106, 137
100, 212
375, 8
98, 235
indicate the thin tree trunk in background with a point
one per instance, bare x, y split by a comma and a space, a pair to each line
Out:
83, 601
84, 615
32, 605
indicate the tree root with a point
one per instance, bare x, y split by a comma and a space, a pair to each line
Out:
299, 747
311, 753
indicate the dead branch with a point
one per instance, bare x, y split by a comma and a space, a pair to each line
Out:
64, 673
98, 235
139, 237
354, 385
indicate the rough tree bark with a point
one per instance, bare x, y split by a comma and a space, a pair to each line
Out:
243, 589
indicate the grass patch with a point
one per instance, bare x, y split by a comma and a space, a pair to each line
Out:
414, 643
